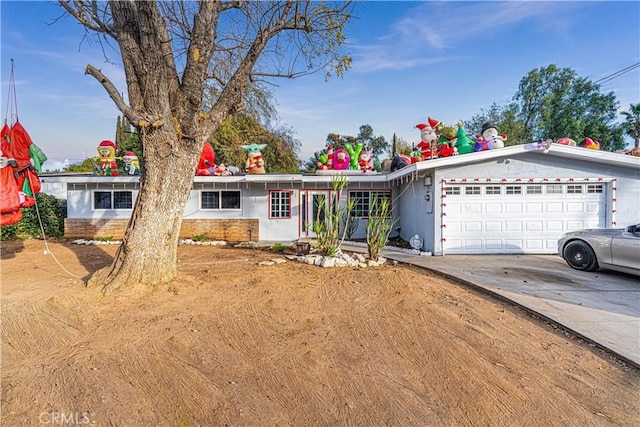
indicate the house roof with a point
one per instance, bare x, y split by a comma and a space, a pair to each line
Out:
324, 178
555, 150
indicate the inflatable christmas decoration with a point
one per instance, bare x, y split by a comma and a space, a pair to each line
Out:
567, 141
480, 144
591, 144
207, 164
131, 163
354, 154
341, 159
107, 159
20, 163
365, 161
446, 140
464, 144
428, 138
254, 163
325, 159
490, 134
207, 161
399, 161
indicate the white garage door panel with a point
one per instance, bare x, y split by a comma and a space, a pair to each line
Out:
493, 244
534, 226
493, 226
493, 208
514, 208
552, 225
555, 207
497, 222
473, 208
533, 208
473, 226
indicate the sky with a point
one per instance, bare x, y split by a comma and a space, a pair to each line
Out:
447, 60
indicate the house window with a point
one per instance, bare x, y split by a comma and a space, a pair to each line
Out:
364, 202
493, 189
574, 189
112, 200
220, 199
554, 189
452, 191
472, 191
513, 189
595, 188
280, 204
534, 189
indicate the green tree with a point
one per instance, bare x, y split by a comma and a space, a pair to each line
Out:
243, 128
87, 165
368, 139
555, 102
173, 53
631, 124
505, 117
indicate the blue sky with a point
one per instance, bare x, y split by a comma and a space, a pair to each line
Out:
448, 60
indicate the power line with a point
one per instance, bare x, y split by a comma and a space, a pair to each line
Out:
617, 74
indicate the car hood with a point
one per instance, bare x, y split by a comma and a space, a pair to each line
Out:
604, 232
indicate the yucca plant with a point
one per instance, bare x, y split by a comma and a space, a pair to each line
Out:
379, 226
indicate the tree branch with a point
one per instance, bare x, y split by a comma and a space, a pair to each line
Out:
136, 119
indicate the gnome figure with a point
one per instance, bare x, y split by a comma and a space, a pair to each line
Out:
490, 134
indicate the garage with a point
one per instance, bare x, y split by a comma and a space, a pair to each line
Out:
485, 216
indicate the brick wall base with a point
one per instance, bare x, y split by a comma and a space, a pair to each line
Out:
230, 230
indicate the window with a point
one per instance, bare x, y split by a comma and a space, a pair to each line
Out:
595, 188
112, 200
493, 189
554, 189
452, 191
472, 191
210, 199
280, 204
534, 189
220, 199
230, 199
574, 189
513, 189
364, 201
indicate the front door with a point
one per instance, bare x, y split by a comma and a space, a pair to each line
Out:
313, 207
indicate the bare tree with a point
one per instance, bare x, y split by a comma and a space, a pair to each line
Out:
173, 53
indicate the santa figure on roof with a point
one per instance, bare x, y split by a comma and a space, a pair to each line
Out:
428, 138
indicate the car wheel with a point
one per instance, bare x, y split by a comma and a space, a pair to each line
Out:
580, 256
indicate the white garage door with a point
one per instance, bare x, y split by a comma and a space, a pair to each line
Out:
517, 217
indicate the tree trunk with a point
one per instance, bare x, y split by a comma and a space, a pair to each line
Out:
147, 256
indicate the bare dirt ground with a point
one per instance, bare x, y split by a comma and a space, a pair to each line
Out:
231, 343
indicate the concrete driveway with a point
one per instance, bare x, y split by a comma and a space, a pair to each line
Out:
603, 306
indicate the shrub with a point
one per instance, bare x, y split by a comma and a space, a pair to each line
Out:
52, 211
278, 247
327, 224
379, 226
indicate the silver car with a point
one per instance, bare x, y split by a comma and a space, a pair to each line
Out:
613, 249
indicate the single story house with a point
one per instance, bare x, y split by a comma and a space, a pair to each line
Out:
513, 200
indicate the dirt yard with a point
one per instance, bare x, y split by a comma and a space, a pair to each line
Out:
233, 343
